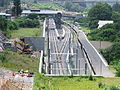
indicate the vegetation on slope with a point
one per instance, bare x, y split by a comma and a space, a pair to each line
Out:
48, 6
15, 61
24, 32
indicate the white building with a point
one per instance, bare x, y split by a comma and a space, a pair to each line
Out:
101, 23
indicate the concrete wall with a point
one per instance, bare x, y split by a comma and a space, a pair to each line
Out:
36, 42
101, 44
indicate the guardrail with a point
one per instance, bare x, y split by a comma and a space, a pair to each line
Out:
41, 62
44, 27
42, 53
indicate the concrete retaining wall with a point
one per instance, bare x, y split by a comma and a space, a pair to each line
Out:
36, 42
101, 44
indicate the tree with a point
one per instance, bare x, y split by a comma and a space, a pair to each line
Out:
112, 53
68, 5
17, 8
35, 1
73, 7
3, 24
101, 11
116, 7
116, 17
12, 25
26, 22
32, 16
93, 24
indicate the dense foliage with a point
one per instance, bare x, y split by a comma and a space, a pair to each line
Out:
3, 23
29, 22
109, 32
17, 7
116, 7
32, 16
26, 22
12, 25
84, 21
73, 7
101, 11
112, 53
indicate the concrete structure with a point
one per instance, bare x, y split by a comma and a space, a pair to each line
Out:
101, 44
36, 42
101, 23
7, 16
98, 63
4, 14
40, 12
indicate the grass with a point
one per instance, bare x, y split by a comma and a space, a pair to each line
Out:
85, 29
75, 37
48, 6
15, 62
75, 83
25, 32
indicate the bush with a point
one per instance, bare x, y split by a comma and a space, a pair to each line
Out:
114, 88
101, 85
118, 73
72, 75
84, 22
93, 24
116, 17
106, 33
3, 56
32, 16
91, 78
12, 25
112, 53
28, 23
108, 26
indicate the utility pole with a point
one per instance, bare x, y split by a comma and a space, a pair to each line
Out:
48, 50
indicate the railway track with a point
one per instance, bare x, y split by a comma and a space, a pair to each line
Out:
58, 60
59, 50
54, 50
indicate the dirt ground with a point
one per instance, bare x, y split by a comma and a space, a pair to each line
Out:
17, 82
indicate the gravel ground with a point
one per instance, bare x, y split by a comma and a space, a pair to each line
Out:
24, 83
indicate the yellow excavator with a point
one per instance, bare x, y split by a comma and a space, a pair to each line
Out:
22, 47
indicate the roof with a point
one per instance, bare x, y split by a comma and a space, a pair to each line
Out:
40, 12
102, 23
4, 14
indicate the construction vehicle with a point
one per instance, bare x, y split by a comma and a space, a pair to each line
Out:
22, 47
